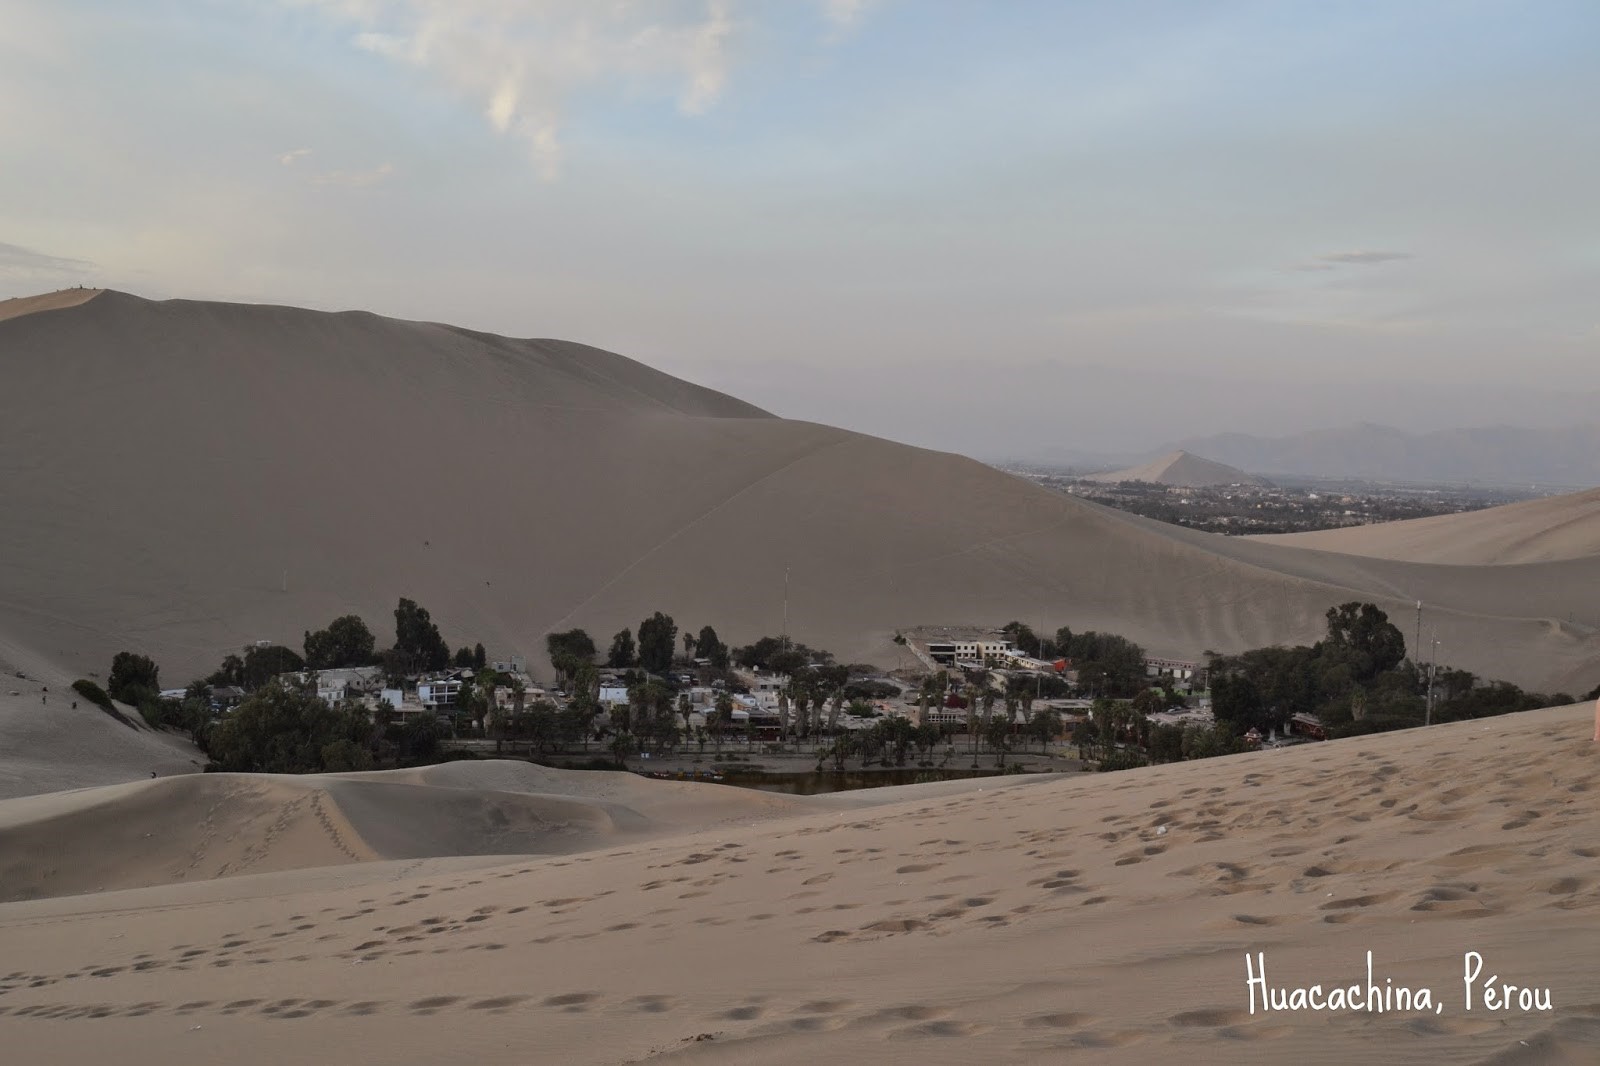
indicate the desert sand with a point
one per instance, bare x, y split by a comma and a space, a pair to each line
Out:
1181, 468
47, 744
1533, 531
180, 478
1097, 919
47, 301
184, 477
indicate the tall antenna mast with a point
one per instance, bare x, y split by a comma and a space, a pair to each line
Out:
1427, 718
786, 605
1416, 649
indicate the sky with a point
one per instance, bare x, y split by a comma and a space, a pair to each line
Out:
1007, 229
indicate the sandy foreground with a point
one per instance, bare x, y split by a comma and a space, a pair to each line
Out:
1097, 918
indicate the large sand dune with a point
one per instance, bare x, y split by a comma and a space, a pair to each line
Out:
1098, 919
183, 477
18, 306
1180, 468
1533, 531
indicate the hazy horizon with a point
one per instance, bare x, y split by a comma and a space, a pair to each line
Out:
997, 231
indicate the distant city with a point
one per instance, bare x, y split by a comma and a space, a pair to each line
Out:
1255, 506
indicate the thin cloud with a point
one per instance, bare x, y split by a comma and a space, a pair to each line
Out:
1335, 260
24, 264
520, 63
288, 158
843, 15
1364, 258
355, 179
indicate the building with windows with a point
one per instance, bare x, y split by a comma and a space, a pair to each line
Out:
439, 695
1177, 669
974, 650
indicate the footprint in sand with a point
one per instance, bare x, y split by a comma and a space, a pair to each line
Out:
652, 1004
1059, 1020
1450, 1026
498, 1004
433, 1004
943, 1029
1358, 901
1258, 919
914, 1012
1212, 1018
1112, 1038
573, 1002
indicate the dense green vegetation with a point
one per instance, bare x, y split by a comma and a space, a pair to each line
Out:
95, 695
346, 642
417, 643
777, 654
622, 654
568, 651
708, 646
1107, 664
134, 679
658, 639
281, 730
1356, 680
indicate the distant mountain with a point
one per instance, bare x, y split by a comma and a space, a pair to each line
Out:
1181, 468
1504, 455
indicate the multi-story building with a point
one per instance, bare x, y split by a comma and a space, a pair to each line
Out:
975, 650
440, 694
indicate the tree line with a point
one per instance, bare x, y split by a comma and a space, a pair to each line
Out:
1358, 679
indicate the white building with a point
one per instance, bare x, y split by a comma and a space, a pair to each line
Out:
613, 694
505, 696
356, 678
1177, 669
765, 689
976, 650
439, 695
1195, 716
397, 701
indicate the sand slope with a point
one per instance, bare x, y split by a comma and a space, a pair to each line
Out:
49, 301
199, 827
186, 477
1181, 468
46, 744
1100, 919
1533, 531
